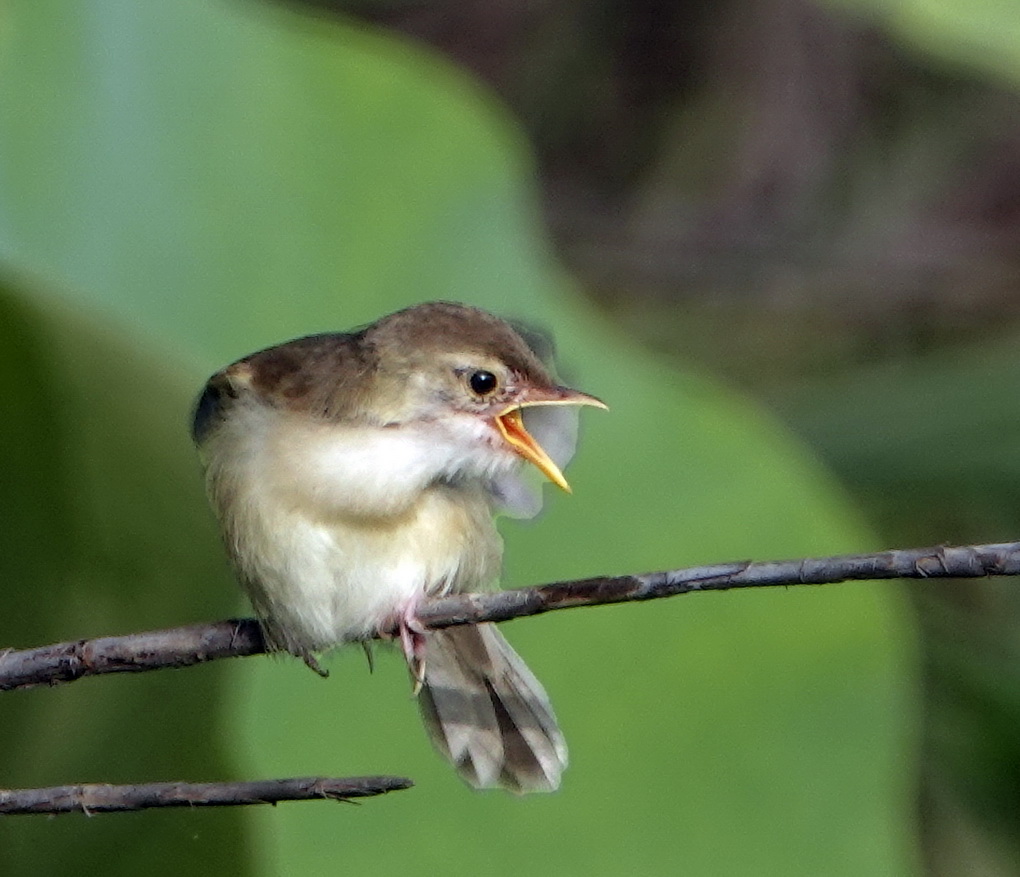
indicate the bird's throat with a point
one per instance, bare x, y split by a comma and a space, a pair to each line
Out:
511, 426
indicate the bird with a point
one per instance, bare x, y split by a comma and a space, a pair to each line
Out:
356, 474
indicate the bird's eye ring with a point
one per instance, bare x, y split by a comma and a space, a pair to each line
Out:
482, 382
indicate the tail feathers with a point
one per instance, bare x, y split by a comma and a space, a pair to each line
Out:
487, 713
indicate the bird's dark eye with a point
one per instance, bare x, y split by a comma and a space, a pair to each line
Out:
482, 382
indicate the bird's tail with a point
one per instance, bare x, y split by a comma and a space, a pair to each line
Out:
487, 713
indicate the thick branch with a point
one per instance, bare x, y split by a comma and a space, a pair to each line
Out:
184, 646
101, 798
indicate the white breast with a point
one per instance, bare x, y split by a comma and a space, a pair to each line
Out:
334, 530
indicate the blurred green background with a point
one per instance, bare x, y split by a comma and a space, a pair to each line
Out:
778, 238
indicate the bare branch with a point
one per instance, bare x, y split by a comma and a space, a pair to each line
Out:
153, 650
184, 646
101, 798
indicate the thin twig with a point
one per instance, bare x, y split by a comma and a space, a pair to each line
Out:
101, 798
184, 646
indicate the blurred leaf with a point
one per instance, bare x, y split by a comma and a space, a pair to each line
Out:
979, 34
104, 532
214, 180
929, 446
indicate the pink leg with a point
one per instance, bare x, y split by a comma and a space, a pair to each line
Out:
413, 642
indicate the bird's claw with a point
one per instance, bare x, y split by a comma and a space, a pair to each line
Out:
313, 664
366, 647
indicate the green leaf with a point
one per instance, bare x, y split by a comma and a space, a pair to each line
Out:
982, 35
104, 531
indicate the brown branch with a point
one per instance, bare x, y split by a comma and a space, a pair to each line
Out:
184, 646
101, 798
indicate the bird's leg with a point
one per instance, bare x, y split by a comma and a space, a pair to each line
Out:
413, 642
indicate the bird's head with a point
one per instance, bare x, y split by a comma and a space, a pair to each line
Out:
470, 376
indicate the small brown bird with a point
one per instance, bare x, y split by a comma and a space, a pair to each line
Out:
356, 474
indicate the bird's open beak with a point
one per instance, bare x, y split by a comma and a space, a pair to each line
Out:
510, 423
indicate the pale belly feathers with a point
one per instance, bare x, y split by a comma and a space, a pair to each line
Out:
322, 564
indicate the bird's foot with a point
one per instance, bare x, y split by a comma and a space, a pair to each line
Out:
413, 643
